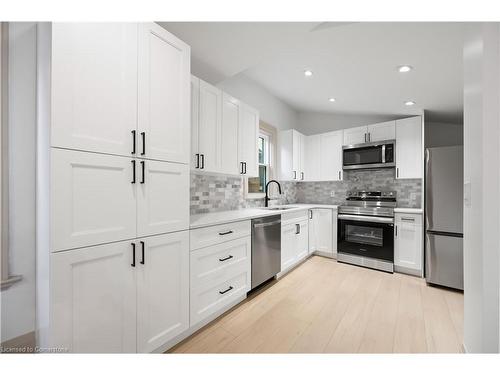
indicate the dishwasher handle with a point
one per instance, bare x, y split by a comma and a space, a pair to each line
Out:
267, 224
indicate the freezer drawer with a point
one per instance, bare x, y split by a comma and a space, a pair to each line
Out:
444, 263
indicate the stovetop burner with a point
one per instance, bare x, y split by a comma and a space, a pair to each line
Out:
372, 203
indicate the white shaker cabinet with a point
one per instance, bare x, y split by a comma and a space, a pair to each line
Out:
291, 150
409, 151
93, 199
294, 242
94, 86
408, 244
248, 133
313, 158
162, 197
164, 95
331, 156
231, 112
321, 231
354, 136
162, 289
382, 131
93, 299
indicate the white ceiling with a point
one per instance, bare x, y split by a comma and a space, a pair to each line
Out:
354, 62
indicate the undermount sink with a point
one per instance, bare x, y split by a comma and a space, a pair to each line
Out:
279, 208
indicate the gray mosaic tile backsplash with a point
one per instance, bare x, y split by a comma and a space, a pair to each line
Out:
409, 191
212, 193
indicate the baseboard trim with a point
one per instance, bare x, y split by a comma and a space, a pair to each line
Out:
21, 344
408, 271
326, 254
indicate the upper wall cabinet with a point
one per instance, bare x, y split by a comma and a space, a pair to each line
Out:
94, 86
120, 88
409, 151
164, 103
224, 132
313, 159
382, 131
291, 148
323, 157
371, 133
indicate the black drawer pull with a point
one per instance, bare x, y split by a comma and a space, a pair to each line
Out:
224, 233
202, 161
142, 248
143, 172
133, 172
133, 255
225, 291
226, 258
143, 135
197, 161
133, 142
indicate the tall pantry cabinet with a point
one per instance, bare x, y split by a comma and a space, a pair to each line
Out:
116, 157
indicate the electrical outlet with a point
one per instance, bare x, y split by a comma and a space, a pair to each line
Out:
332, 194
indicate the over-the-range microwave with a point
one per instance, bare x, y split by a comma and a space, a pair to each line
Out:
369, 155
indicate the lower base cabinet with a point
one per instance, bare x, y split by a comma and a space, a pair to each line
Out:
323, 231
294, 241
408, 244
123, 297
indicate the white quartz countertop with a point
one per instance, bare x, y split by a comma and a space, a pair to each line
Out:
223, 217
405, 210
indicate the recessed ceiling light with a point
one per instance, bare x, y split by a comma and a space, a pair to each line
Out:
308, 73
410, 102
404, 68
331, 100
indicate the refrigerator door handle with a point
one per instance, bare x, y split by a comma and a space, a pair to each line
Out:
428, 190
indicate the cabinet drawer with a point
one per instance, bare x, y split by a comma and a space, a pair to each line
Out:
294, 217
219, 262
408, 218
206, 301
216, 234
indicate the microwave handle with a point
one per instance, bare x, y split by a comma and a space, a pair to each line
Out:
383, 153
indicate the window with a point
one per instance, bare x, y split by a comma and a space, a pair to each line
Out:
266, 146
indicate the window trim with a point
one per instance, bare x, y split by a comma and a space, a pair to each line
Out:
272, 135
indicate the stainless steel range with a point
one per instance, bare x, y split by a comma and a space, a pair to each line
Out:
366, 229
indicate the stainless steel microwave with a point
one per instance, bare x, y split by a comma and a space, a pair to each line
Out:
369, 155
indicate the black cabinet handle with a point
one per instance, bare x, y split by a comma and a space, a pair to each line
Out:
202, 161
143, 135
142, 252
133, 254
397, 172
226, 258
242, 170
297, 228
302, 174
143, 171
133, 172
225, 291
294, 175
133, 141
310, 214
340, 176
245, 164
365, 137
396, 228
197, 161
224, 233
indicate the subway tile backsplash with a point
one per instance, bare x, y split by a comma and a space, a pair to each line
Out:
212, 193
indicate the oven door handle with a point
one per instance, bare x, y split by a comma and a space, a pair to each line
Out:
371, 219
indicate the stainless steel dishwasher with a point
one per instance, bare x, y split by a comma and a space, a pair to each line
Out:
266, 248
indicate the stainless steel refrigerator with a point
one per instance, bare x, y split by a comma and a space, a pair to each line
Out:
444, 216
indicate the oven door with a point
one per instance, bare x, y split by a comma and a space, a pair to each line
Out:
369, 155
366, 236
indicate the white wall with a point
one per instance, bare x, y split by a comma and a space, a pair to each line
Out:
439, 134
18, 302
482, 188
272, 110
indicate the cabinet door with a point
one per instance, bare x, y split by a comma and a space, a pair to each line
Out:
93, 199
313, 161
288, 246
94, 86
382, 131
285, 155
409, 152
296, 159
331, 156
195, 119
408, 251
248, 135
229, 135
322, 230
93, 299
302, 159
162, 197
209, 131
164, 95
302, 240
162, 289
354, 136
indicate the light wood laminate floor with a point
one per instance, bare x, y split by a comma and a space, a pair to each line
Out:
327, 307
